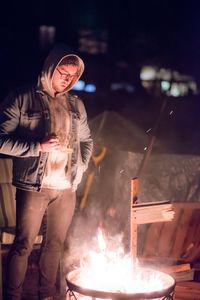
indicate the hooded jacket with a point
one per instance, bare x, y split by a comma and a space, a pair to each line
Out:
26, 120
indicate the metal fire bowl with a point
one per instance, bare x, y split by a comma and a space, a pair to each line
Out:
73, 286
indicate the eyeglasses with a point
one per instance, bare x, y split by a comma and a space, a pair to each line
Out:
66, 75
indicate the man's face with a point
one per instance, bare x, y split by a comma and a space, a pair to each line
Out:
63, 76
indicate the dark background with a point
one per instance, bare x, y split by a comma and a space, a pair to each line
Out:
164, 33
137, 31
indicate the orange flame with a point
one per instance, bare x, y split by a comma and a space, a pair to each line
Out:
112, 270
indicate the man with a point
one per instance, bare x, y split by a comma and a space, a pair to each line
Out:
46, 132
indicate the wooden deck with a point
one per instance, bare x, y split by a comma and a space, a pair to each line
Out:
187, 291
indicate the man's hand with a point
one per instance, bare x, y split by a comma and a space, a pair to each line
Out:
49, 144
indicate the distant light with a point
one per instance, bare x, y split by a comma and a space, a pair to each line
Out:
165, 85
79, 86
90, 88
115, 86
46, 35
148, 73
175, 92
130, 88
164, 74
193, 87
183, 88
82, 86
93, 42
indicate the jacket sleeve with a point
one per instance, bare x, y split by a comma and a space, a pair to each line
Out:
10, 143
86, 142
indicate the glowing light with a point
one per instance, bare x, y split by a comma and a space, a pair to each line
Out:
171, 82
175, 92
101, 240
165, 85
148, 73
90, 88
165, 74
79, 86
82, 86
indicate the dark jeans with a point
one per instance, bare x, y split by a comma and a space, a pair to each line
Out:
31, 206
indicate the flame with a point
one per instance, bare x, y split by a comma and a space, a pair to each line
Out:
101, 240
110, 269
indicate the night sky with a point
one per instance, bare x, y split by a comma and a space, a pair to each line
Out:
137, 31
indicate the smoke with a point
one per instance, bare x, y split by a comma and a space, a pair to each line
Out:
107, 206
83, 235
171, 173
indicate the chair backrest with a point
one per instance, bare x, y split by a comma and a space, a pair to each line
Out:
7, 194
179, 239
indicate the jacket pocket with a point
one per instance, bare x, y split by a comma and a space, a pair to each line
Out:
32, 123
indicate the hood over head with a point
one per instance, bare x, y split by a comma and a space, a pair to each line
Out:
55, 57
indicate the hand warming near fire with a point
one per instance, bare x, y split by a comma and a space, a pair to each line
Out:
49, 144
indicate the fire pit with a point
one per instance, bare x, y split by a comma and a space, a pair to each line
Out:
74, 284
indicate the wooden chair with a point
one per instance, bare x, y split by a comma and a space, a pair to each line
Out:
178, 239
174, 247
